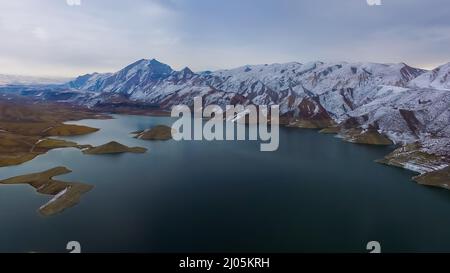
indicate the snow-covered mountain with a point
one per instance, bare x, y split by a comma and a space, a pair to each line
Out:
147, 82
135, 76
406, 115
338, 87
326, 93
371, 93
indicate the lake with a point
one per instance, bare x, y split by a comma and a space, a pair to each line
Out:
316, 193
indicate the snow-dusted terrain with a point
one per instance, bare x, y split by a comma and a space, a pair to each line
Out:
405, 104
338, 87
438, 78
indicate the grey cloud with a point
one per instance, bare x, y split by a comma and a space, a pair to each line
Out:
49, 37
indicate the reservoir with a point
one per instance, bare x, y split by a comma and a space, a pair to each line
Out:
316, 193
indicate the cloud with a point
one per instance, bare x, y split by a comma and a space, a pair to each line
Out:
374, 2
40, 33
73, 2
53, 38
98, 35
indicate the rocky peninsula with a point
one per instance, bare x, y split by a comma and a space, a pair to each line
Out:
65, 194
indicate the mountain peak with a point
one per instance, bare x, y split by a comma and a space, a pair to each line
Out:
153, 68
155, 62
184, 74
159, 67
148, 63
187, 70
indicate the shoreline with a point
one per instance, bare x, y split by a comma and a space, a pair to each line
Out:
352, 135
27, 128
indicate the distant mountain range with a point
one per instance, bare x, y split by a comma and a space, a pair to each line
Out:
402, 103
29, 80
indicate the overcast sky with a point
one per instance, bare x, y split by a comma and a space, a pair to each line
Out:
53, 38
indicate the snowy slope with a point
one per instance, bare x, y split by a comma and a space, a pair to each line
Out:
148, 82
138, 75
438, 78
407, 115
338, 87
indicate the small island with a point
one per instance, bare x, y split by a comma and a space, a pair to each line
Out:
113, 147
159, 132
65, 194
